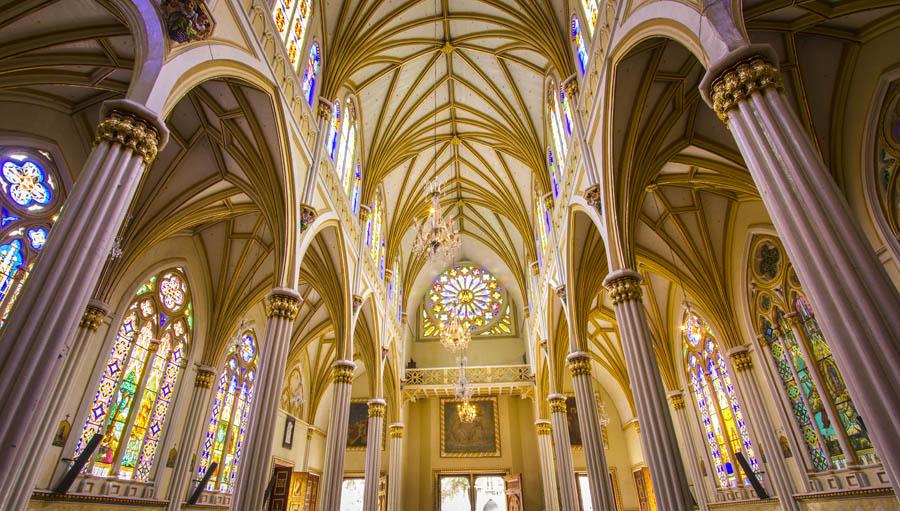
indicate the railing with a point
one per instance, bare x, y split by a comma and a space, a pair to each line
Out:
477, 375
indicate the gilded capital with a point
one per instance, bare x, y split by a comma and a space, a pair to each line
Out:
282, 303
677, 400
579, 364
129, 130
557, 403
395, 430
364, 212
92, 318
572, 89
738, 82
324, 109
377, 408
741, 360
623, 286
204, 378
543, 427
342, 372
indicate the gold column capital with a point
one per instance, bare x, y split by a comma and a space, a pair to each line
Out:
579, 363
205, 377
677, 400
571, 88
342, 371
395, 430
377, 408
127, 129
737, 82
543, 427
740, 359
324, 109
623, 286
92, 318
283, 303
557, 403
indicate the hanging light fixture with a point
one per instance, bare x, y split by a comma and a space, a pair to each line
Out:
455, 334
436, 237
466, 411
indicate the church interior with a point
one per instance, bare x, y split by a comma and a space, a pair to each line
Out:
450, 255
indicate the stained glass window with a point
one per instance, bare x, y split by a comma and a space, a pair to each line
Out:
139, 379
560, 144
554, 173
29, 206
227, 423
334, 131
580, 48
355, 188
591, 13
814, 390
311, 73
566, 112
714, 394
375, 232
474, 295
291, 20
542, 228
342, 147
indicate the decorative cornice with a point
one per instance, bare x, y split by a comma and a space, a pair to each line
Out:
543, 427
92, 318
557, 403
623, 286
377, 407
281, 304
127, 129
308, 215
205, 377
579, 364
739, 82
395, 430
342, 371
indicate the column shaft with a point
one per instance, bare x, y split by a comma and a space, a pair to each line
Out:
180, 486
548, 468
336, 441
846, 283
749, 391
591, 431
658, 439
22, 483
254, 472
127, 141
565, 469
373, 454
677, 400
395, 476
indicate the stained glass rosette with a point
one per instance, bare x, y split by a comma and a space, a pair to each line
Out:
470, 293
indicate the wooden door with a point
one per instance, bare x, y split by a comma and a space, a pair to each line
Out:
641, 486
514, 500
281, 489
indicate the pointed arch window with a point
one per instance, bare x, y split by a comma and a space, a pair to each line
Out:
580, 48
334, 131
291, 20
311, 73
825, 417
355, 188
29, 206
227, 424
375, 232
554, 172
591, 13
139, 379
542, 228
566, 112
716, 401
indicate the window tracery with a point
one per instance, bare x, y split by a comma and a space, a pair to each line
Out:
133, 398
591, 12
824, 415
472, 294
227, 424
341, 145
716, 402
29, 206
291, 20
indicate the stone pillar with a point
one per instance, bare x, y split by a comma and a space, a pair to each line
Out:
658, 440
255, 470
373, 454
183, 471
22, 482
751, 394
336, 441
587, 153
323, 115
565, 469
395, 471
677, 400
591, 431
32, 346
548, 469
849, 289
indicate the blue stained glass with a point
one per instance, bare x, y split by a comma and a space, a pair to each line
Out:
6, 218
37, 236
311, 72
26, 183
580, 48
10, 261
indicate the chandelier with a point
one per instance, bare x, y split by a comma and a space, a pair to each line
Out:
465, 410
455, 336
436, 237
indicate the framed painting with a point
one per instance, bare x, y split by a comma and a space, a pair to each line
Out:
358, 425
287, 441
572, 419
479, 438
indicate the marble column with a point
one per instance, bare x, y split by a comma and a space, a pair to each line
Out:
590, 165
751, 394
677, 400
847, 286
591, 431
373, 454
47, 312
336, 440
548, 467
22, 483
254, 472
565, 468
395, 470
181, 484
307, 212
658, 439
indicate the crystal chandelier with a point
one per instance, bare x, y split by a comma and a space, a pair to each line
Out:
455, 337
465, 410
436, 237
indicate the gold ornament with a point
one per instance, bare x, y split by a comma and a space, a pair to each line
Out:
395, 431
544, 428
677, 401
282, 306
377, 409
624, 288
580, 366
92, 318
557, 404
738, 82
204, 378
741, 361
342, 374
132, 132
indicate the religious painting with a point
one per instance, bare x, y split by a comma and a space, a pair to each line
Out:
358, 426
62, 432
479, 438
171, 458
186, 20
287, 440
572, 419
